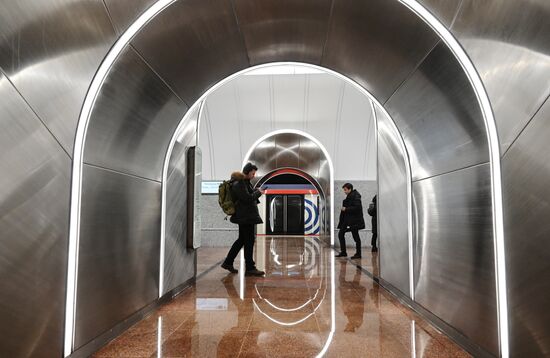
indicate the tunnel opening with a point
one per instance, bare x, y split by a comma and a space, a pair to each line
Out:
437, 53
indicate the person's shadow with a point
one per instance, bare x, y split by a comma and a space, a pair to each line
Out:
353, 302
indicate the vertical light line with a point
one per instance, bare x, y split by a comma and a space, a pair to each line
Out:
496, 172
413, 339
77, 165
159, 338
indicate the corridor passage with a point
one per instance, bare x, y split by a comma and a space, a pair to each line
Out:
309, 304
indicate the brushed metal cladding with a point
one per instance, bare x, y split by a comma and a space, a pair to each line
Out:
288, 150
454, 268
264, 156
438, 115
50, 50
34, 202
193, 45
133, 119
376, 43
310, 157
509, 43
188, 129
125, 12
444, 10
119, 250
179, 261
392, 206
284, 30
526, 169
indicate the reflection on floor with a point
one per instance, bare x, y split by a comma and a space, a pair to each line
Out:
309, 304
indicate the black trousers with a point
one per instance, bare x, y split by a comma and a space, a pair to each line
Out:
373, 240
246, 239
356, 238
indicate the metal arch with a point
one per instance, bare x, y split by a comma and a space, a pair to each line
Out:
420, 11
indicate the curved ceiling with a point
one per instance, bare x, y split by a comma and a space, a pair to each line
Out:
254, 104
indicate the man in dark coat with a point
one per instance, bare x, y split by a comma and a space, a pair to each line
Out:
372, 212
246, 216
351, 219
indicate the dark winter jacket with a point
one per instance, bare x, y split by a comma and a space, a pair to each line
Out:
353, 216
372, 212
246, 201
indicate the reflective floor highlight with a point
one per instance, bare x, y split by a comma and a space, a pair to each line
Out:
309, 304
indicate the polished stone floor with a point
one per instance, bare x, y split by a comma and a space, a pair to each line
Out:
309, 304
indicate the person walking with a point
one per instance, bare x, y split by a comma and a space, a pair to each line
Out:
372, 212
351, 219
247, 217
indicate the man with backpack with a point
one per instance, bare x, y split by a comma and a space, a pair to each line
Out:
242, 205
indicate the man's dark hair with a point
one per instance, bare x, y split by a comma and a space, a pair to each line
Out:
348, 186
249, 167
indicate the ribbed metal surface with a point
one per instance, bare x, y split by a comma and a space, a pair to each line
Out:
301, 25
453, 252
527, 208
392, 205
436, 113
35, 173
124, 12
509, 44
179, 260
193, 45
119, 253
373, 48
50, 50
132, 119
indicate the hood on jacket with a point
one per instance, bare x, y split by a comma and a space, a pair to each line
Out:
238, 176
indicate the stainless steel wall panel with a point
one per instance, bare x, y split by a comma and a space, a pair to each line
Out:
286, 30
186, 131
264, 156
444, 10
179, 261
34, 205
453, 252
526, 168
50, 50
438, 115
118, 267
509, 43
124, 12
193, 45
377, 43
132, 121
288, 150
392, 206
310, 156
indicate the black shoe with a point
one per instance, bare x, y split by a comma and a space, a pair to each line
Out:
254, 272
356, 256
341, 254
374, 249
229, 268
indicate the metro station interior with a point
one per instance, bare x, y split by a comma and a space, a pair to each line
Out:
119, 119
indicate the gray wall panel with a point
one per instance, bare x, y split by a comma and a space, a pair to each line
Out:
204, 35
437, 113
377, 43
51, 50
179, 261
124, 12
508, 43
119, 253
299, 28
392, 206
526, 168
34, 206
453, 252
131, 123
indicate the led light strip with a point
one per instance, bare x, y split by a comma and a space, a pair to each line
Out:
494, 152
78, 153
134, 28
